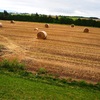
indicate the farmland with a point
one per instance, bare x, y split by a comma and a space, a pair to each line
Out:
67, 52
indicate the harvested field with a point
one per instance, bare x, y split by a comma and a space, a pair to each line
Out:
67, 52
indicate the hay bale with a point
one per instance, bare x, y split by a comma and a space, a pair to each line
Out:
36, 29
0, 24
12, 21
42, 35
72, 25
46, 25
86, 30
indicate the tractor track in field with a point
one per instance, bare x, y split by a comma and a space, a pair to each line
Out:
76, 43
80, 72
14, 51
67, 52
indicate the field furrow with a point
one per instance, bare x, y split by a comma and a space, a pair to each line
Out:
67, 52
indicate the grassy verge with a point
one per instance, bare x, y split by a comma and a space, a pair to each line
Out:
18, 84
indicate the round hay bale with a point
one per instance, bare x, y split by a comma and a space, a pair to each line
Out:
46, 25
42, 35
12, 21
72, 25
36, 29
0, 24
86, 30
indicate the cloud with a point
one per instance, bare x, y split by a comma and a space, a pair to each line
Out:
56, 7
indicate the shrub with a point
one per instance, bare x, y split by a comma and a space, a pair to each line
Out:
26, 74
64, 81
12, 66
98, 85
42, 71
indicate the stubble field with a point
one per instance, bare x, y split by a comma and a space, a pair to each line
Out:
67, 52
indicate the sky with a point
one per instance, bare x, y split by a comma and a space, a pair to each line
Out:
86, 8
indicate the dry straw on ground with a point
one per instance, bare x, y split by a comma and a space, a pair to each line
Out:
65, 49
0, 24
46, 25
42, 35
86, 30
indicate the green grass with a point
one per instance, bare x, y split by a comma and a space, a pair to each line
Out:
16, 88
18, 84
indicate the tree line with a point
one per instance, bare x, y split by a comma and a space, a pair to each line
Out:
48, 19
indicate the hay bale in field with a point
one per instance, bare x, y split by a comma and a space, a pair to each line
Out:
46, 25
36, 29
42, 35
72, 25
0, 24
86, 30
12, 21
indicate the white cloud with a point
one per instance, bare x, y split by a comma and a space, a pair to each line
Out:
61, 7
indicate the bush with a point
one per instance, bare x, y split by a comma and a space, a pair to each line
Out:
98, 85
42, 71
12, 66
26, 74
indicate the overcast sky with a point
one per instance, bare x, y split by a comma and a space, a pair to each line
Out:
87, 8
